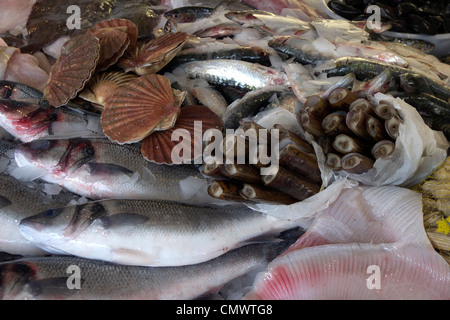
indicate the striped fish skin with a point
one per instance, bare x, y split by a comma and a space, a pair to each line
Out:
148, 233
56, 277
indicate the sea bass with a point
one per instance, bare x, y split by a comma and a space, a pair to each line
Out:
50, 278
29, 121
99, 168
365, 230
148, 233
19, 200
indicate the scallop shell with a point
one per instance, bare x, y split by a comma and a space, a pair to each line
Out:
138, 108
103, 85
158, 147
113, 43
115, 37
124, 25
152, 56
74, 67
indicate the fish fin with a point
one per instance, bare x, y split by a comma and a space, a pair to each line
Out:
123, 221
108, 168
4, 202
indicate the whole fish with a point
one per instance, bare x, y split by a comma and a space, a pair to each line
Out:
73, 278
19, 200
217, 50
29, 121
147, 232
236, 73
99, 168
276, 24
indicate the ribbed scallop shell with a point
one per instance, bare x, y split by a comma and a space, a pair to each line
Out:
152, 56
104, 85
74, 67
113, 43
115, 37
158, 147
124, 25
137, 108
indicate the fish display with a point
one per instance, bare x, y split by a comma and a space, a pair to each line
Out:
168, 149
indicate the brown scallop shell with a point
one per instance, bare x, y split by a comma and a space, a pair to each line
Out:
137, 108
115, 37
113, 43
158, 146
124, 25
103, 85
152, 56
74, 67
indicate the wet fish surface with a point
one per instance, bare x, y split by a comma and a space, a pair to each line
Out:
55, 277
148, 233
99, 169
19, 200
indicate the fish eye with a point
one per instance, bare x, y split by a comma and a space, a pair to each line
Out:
88, 151
51, 213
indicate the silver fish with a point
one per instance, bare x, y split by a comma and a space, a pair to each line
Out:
99, 169
27, 121
148, 233
236, 73
73, 278
19, 200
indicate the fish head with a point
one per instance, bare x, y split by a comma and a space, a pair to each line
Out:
58, 157
15, 280
50, 227
411, 83
24, 120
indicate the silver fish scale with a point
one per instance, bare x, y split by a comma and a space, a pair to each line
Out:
100, 280
235, 73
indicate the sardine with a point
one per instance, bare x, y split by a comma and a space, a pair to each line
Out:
99, 168
147, 232
73, 278
276, 24
249, 105
236, 73
27, 121
19, 200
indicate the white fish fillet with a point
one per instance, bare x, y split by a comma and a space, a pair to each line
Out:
366, 226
